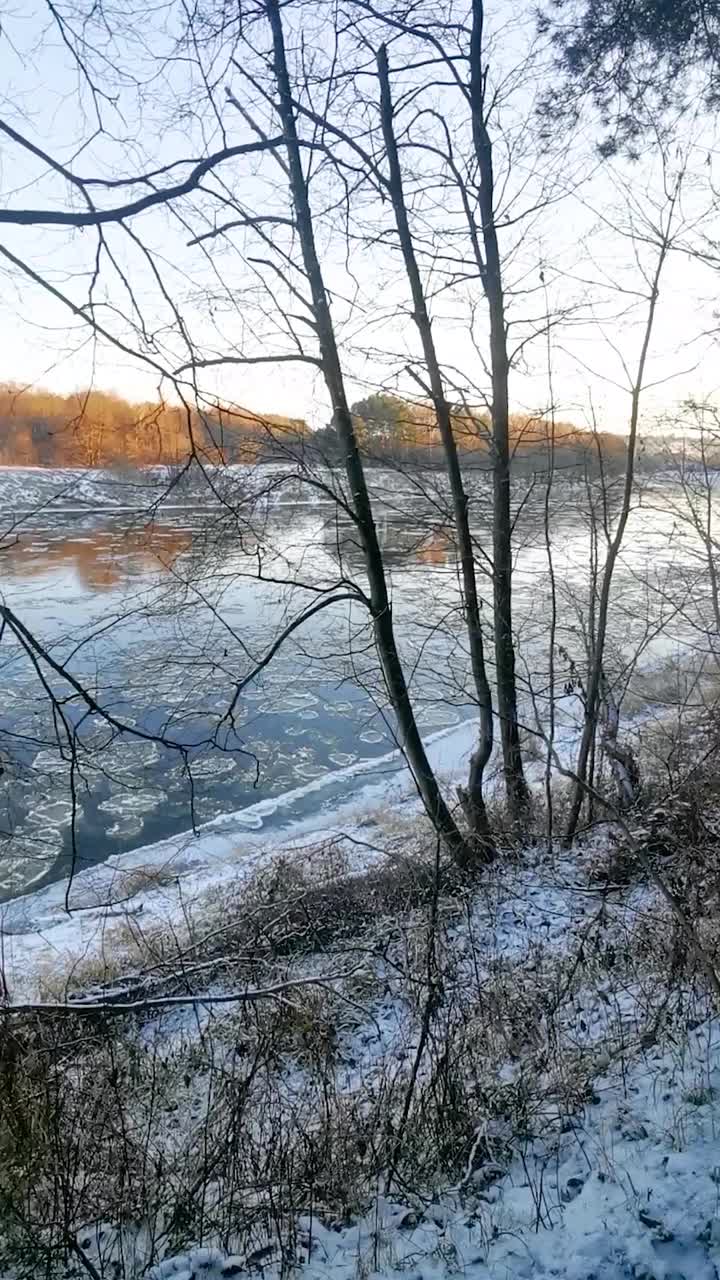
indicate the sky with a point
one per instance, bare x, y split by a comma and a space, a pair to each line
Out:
575, 256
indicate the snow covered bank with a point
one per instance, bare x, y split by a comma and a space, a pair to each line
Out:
37, 491
351, 807
587, 1132
631, 1191
160, 880
517, 1078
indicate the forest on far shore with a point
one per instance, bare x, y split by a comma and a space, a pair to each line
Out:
100, 429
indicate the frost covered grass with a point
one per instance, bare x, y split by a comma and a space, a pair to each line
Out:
417, 1075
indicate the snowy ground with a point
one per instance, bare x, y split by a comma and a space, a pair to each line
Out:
622, 1186
631, 1192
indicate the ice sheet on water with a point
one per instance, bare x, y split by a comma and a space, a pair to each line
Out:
338, 800
130, 757
291, 703
436, 717
50, 760
371, 736
11, 698
132, 802
174, 697
25, 859
212, 766
310, 770
55, 813
126, 828
22, 875
252, 821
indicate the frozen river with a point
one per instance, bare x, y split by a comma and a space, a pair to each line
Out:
159, 601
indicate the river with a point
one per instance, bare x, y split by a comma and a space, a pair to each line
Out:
159, 598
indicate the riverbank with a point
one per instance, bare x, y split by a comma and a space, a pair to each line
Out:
359, 812
333, 1061
160, 881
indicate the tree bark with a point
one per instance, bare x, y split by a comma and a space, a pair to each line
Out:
380, 605
515, 783
471, 797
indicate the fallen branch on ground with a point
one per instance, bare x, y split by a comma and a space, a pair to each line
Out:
117, 1004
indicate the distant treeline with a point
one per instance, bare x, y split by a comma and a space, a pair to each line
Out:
394, 430
98, 429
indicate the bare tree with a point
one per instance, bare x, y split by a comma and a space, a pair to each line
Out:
472, 797
379, 602
492, 280
661, 238
693, 462
457, 45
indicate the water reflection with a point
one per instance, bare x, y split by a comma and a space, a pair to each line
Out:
404, 541
436, 550
417, 528
100, 558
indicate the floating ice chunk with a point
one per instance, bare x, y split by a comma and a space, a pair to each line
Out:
291, 703
24, 874
128, 758
125, 828
54, 813
437, 716
310, 770
251, 820
212, 767
132, 802
49, 761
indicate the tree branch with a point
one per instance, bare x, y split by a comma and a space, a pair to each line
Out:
111, 1005
93, 218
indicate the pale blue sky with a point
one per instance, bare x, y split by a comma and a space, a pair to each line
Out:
45, 100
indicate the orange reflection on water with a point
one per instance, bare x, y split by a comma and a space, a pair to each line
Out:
435, 550
101, 558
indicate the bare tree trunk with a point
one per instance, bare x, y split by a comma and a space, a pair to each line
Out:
515, 783
695, 471
471, 796
380, 606
594, 578
552, 632
595, 675
705, 529
623, 765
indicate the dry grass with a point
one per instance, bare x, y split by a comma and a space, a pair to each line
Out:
426, 1046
